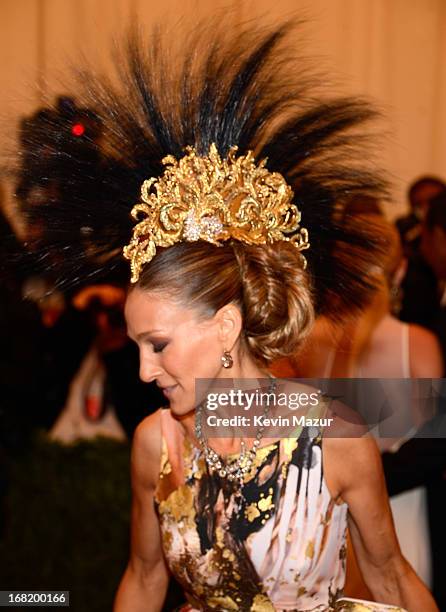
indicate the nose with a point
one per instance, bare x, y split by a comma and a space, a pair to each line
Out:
149, 370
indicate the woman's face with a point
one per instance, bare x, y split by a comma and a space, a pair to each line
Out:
176, 345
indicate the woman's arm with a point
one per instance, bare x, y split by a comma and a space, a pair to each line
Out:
144, 584
360, 483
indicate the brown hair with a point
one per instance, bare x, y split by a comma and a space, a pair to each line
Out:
267, 283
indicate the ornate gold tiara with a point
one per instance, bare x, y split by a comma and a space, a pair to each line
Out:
213, 199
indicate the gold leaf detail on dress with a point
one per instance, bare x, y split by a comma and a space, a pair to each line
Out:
289, 445
180, 504
262, 603
219, 534
309, 552
252, 512
166, 468
228, 554
223, 603
266, 503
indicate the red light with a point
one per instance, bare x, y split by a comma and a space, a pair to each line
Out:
78, 129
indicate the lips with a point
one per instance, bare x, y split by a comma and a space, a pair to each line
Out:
168, 390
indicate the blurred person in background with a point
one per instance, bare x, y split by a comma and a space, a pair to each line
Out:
105, 395
375, 344
423, 286
88, 319
420, 194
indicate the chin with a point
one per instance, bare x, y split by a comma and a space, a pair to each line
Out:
181, 408
180, 412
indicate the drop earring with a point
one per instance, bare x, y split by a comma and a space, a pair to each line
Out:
226, 359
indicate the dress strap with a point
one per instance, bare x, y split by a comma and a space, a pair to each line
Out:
405, 350
172, 460
329, 362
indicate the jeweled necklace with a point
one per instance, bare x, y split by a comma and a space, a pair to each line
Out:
244, 462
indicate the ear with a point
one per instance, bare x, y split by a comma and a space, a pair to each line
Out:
229, 320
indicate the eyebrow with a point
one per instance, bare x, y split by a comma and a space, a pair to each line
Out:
147, 334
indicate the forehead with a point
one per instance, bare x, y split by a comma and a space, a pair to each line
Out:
146, 311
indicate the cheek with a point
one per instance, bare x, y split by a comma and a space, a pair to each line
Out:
197, 356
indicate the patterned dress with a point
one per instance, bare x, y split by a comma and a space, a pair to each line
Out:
279, 545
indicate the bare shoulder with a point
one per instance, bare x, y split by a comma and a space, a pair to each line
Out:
425, 353
146, 450
347, 423
350, 459
343, 421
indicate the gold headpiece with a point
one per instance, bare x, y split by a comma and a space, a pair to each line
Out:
213, 199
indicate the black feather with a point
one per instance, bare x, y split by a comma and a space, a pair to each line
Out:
226, 88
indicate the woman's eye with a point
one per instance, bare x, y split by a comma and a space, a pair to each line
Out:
157, 348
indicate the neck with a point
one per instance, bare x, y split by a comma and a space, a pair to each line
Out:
244, 372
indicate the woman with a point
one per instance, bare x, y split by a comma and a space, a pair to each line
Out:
232, 142
186, 346
376, 345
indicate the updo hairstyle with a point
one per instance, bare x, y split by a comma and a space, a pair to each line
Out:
267, 282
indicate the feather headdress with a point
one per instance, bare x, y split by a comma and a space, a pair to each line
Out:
225, 88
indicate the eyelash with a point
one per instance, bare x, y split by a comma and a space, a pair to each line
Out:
158, 348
